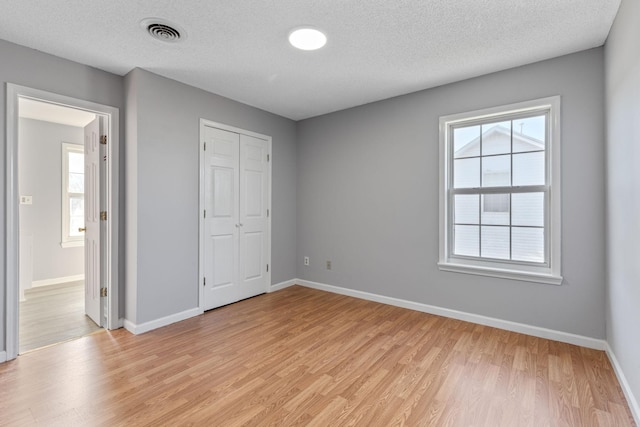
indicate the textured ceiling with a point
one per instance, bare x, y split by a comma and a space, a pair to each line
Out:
376, 48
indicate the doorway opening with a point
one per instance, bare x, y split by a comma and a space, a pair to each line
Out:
51, 185
61, 198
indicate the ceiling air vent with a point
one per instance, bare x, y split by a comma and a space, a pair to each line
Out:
162, 30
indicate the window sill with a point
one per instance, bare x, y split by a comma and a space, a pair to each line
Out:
526, 276
72, 244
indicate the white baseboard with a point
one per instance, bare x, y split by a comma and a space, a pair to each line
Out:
634, 406
56, 280
461, 315
3, 356
158, 323
282, 285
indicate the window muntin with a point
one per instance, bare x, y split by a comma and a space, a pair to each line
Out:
72, 195
484, 160
499, 209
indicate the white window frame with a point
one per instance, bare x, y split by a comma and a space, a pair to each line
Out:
68, 241
548, 272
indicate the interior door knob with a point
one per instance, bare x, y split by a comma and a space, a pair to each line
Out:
81, 229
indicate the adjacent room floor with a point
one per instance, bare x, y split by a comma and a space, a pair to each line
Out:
53, 314
305, 357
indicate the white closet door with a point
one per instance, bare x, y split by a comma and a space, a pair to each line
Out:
222, 218
235, 224
253, 215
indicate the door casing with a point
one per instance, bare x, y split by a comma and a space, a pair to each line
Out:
111, 114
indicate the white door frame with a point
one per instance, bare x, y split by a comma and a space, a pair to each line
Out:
209, 123
14, 92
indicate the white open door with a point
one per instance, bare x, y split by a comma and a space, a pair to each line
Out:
92, 304
235, 227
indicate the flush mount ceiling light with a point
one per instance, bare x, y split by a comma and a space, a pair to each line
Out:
163, 30
307, 38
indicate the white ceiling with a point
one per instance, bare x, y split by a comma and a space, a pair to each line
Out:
376, 48
31, 109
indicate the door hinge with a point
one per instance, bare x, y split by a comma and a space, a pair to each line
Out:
267, 157
103, 139
204, 281
267, 268
103, 292
205, 146
103, 215
267, 213
205, 213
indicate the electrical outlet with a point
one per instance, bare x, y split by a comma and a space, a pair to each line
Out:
306, 260
328, 265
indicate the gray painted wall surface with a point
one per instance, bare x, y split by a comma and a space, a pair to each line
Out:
40, 168
27, 67
368, 198
166, 167
622, 61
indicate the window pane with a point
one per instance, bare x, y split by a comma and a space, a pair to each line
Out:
528, 209
496, 138
76, 206
466, 173
466, 141
528, 169
74, 224
496, 171
495, 209
527, 244
76, 162
466, 210
529, 134
495, 242
76, 183
466, 239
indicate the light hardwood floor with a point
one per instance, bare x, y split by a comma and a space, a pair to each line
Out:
305, 357
53, 314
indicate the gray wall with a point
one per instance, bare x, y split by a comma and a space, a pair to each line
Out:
368, 198
163, 181
40, 169
35, 69
622, 61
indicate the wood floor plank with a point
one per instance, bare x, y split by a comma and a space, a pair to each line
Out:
305, 357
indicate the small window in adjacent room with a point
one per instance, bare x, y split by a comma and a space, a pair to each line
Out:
500, 192
72, 195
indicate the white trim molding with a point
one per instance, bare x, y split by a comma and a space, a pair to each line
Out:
159, 323
634, 405
56, 280
461, 315
282, 285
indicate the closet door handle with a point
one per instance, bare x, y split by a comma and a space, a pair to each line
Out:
82, 229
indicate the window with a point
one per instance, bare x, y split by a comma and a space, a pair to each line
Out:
72, 195
500, 192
